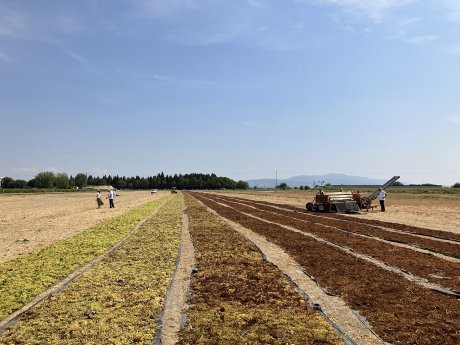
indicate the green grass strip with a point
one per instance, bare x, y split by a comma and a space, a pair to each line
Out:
116, 302
23, 278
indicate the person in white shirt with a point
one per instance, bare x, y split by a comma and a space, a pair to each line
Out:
111, 197
99, 199
382, 195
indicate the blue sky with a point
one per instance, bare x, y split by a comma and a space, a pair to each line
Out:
241, 88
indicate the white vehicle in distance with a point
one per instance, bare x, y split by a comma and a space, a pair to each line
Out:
153, 191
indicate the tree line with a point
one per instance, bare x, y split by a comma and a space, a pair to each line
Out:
51, 180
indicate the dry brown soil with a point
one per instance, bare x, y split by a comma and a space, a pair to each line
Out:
32, 221
433, 211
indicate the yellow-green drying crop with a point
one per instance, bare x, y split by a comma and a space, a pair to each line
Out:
25, 277
116, 302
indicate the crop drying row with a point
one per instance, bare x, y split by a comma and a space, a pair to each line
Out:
238, 298
117, 301
399, 309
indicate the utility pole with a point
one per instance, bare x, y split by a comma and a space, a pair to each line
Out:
276, 179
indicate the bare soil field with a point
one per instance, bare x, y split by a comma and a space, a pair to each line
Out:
29, 222
433, 211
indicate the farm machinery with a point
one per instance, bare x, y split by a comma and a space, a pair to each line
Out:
345, 202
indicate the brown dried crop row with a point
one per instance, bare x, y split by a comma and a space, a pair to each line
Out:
434, 269
399, 311
238, 298
401, 227
433, 245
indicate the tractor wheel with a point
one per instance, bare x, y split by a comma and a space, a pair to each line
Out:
320, 207
309, 206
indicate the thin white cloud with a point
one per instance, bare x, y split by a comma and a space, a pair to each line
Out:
454, 119
52, 169
26, 170
98, 171
298, 26
227, 23
419, 40
257, 4
381, 19
184, 82
12, 23
390, 19
15, 24
161, 8
248, 123
453, 7
454, 50
402, 27
76, 57
82, 61
373, 9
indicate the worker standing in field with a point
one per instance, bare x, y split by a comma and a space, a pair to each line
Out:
111, 196
382, 195
99, 199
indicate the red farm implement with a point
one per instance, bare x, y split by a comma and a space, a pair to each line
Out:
345, 202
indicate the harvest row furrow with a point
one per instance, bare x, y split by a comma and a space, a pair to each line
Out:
409, 229
239, 298
400, 311
450, 249
433, 269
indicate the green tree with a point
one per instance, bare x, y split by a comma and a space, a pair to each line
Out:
90, 181
62, 181
98, 181
71, 181
80, 180
7, 182
45, 179
282, 186
242, 185
456, 185
120, 185
19, 184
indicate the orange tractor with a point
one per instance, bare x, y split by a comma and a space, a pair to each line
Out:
345, 202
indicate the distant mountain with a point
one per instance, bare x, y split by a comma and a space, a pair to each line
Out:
308, 180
